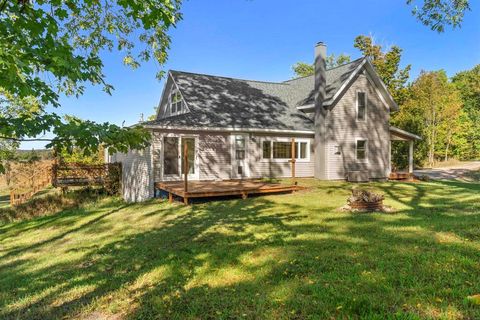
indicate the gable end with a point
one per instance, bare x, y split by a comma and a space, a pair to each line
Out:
163, 110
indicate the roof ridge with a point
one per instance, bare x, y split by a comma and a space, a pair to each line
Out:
342, 65
298, 78
223, 77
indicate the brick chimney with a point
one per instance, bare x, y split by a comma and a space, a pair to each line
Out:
320, 111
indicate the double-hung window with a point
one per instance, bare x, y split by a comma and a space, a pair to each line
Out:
361, 149
361, 106
176, 105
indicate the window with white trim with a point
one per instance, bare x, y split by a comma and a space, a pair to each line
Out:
361, 149
267, 149
361, 106
283, 150
176, 103
240, 148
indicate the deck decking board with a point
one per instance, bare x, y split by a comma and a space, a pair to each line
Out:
206, 189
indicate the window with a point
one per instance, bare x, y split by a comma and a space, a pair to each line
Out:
361, 106
176, 104
337, 150
302, 147
239, 147
283, 150
267, 149
170, 155
361, 149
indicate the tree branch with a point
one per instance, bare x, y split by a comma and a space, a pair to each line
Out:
25, 140
4, 4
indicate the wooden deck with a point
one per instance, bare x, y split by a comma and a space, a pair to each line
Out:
206, 189
400, 176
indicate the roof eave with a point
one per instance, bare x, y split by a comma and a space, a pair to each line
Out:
405, 133
227, 129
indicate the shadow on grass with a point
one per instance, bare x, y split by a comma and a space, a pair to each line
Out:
268, 257
4, 200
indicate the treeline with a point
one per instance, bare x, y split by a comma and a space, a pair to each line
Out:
444, 112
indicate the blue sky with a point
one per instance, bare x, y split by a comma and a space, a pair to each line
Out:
262, 39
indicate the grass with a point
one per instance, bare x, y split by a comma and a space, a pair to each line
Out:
4, 198
272, 257
48, 202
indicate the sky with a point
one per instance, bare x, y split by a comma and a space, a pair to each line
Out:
262, 39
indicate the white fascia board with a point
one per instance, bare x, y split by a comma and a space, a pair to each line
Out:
162, 95
219, 129
380, 86
404, 133
347, 82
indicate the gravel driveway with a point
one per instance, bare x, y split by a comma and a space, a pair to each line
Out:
465, 171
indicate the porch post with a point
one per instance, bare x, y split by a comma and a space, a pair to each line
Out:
185, 166
410, 157
293, 160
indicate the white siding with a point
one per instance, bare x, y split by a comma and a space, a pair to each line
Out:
137, 174
343, 129
215, 156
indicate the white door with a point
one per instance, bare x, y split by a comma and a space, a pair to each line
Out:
239, 156
173, 157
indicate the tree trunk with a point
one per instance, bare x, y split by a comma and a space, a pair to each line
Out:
449, 138
433, 137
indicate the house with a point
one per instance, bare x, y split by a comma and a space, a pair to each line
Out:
242, 129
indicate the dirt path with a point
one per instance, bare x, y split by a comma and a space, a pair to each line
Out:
465, 171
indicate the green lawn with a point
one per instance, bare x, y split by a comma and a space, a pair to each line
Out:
4, 197
272, 257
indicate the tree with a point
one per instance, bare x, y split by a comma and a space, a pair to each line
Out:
432, 110
52, 47
468, 84
335, 61
21, 107
303, 69
387, 65
437, 14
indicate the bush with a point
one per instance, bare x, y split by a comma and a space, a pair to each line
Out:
113, 179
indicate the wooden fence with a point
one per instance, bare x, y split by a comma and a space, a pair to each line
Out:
74, 174
28, 178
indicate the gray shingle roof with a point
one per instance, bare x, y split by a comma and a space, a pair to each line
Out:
221, 102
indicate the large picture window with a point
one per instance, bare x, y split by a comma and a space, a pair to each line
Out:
283, 150
361, 106
361, 149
